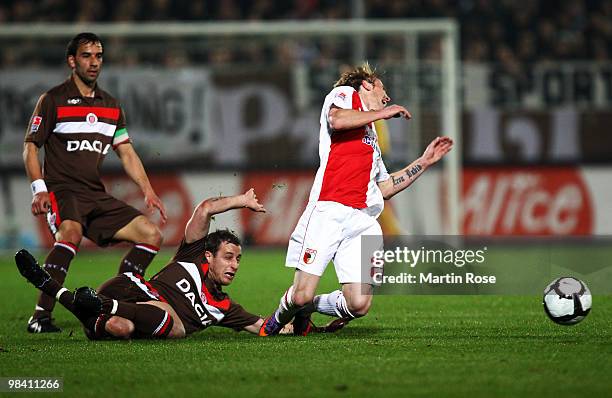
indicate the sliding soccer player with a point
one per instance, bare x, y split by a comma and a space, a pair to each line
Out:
345, 200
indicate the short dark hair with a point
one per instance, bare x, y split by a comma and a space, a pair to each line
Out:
81, 38
214, 240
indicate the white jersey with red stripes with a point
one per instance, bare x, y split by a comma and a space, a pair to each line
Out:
351, 163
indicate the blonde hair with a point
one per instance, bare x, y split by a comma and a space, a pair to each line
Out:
354, 76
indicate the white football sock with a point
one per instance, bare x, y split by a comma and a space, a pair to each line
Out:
286, 309
333, 304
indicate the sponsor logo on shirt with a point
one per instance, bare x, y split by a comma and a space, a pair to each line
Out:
73, 101
91, 119
185, 288
370, 140
84, 145
342, 96
36, 121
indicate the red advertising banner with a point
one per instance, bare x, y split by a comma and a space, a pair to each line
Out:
526, 201
285, 196
507, 201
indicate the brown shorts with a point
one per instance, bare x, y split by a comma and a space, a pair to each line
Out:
131, 288
100, 214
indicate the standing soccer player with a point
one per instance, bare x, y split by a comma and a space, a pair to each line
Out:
77, 123
345, 201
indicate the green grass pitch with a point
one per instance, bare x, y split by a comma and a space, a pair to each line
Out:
424, 346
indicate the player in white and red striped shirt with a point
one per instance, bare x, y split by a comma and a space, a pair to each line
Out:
347, 197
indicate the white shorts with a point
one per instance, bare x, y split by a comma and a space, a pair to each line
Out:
330, 231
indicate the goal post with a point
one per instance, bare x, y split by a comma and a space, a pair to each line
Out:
400, 37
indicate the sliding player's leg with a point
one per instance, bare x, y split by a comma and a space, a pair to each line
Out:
42, 280
109, 317
148, 320
131, 308
28, 267
132, 320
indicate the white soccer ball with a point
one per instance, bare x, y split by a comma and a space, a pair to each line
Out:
567, 300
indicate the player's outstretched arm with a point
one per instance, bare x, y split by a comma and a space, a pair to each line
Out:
134, 168
347, 119
198, 224
403, 178
254, 328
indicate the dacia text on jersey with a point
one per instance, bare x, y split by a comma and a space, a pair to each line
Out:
85, 145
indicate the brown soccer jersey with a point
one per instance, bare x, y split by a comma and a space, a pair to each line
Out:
77, 133
198, 301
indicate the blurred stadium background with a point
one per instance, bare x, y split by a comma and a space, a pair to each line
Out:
225, 95
213, 111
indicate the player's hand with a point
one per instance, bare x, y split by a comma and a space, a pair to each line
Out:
392, 111
250, 201
287, 329
437, 149
41, 203
331, 327
152, 201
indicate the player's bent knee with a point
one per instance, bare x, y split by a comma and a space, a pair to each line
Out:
359, 312
70, 234
119, 327
159, 237
177, 332
302, 297
359, 308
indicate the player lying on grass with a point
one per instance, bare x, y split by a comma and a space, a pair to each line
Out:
184, 297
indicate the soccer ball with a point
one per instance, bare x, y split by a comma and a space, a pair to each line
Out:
567, 300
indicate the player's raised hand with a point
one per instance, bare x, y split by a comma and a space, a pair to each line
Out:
251, 201
392, 111
437, 149
152, 201
41, 203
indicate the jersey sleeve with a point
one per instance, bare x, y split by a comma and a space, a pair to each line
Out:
383, 174
121, 134
342, 97
237, 317
42, 121
190, 252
